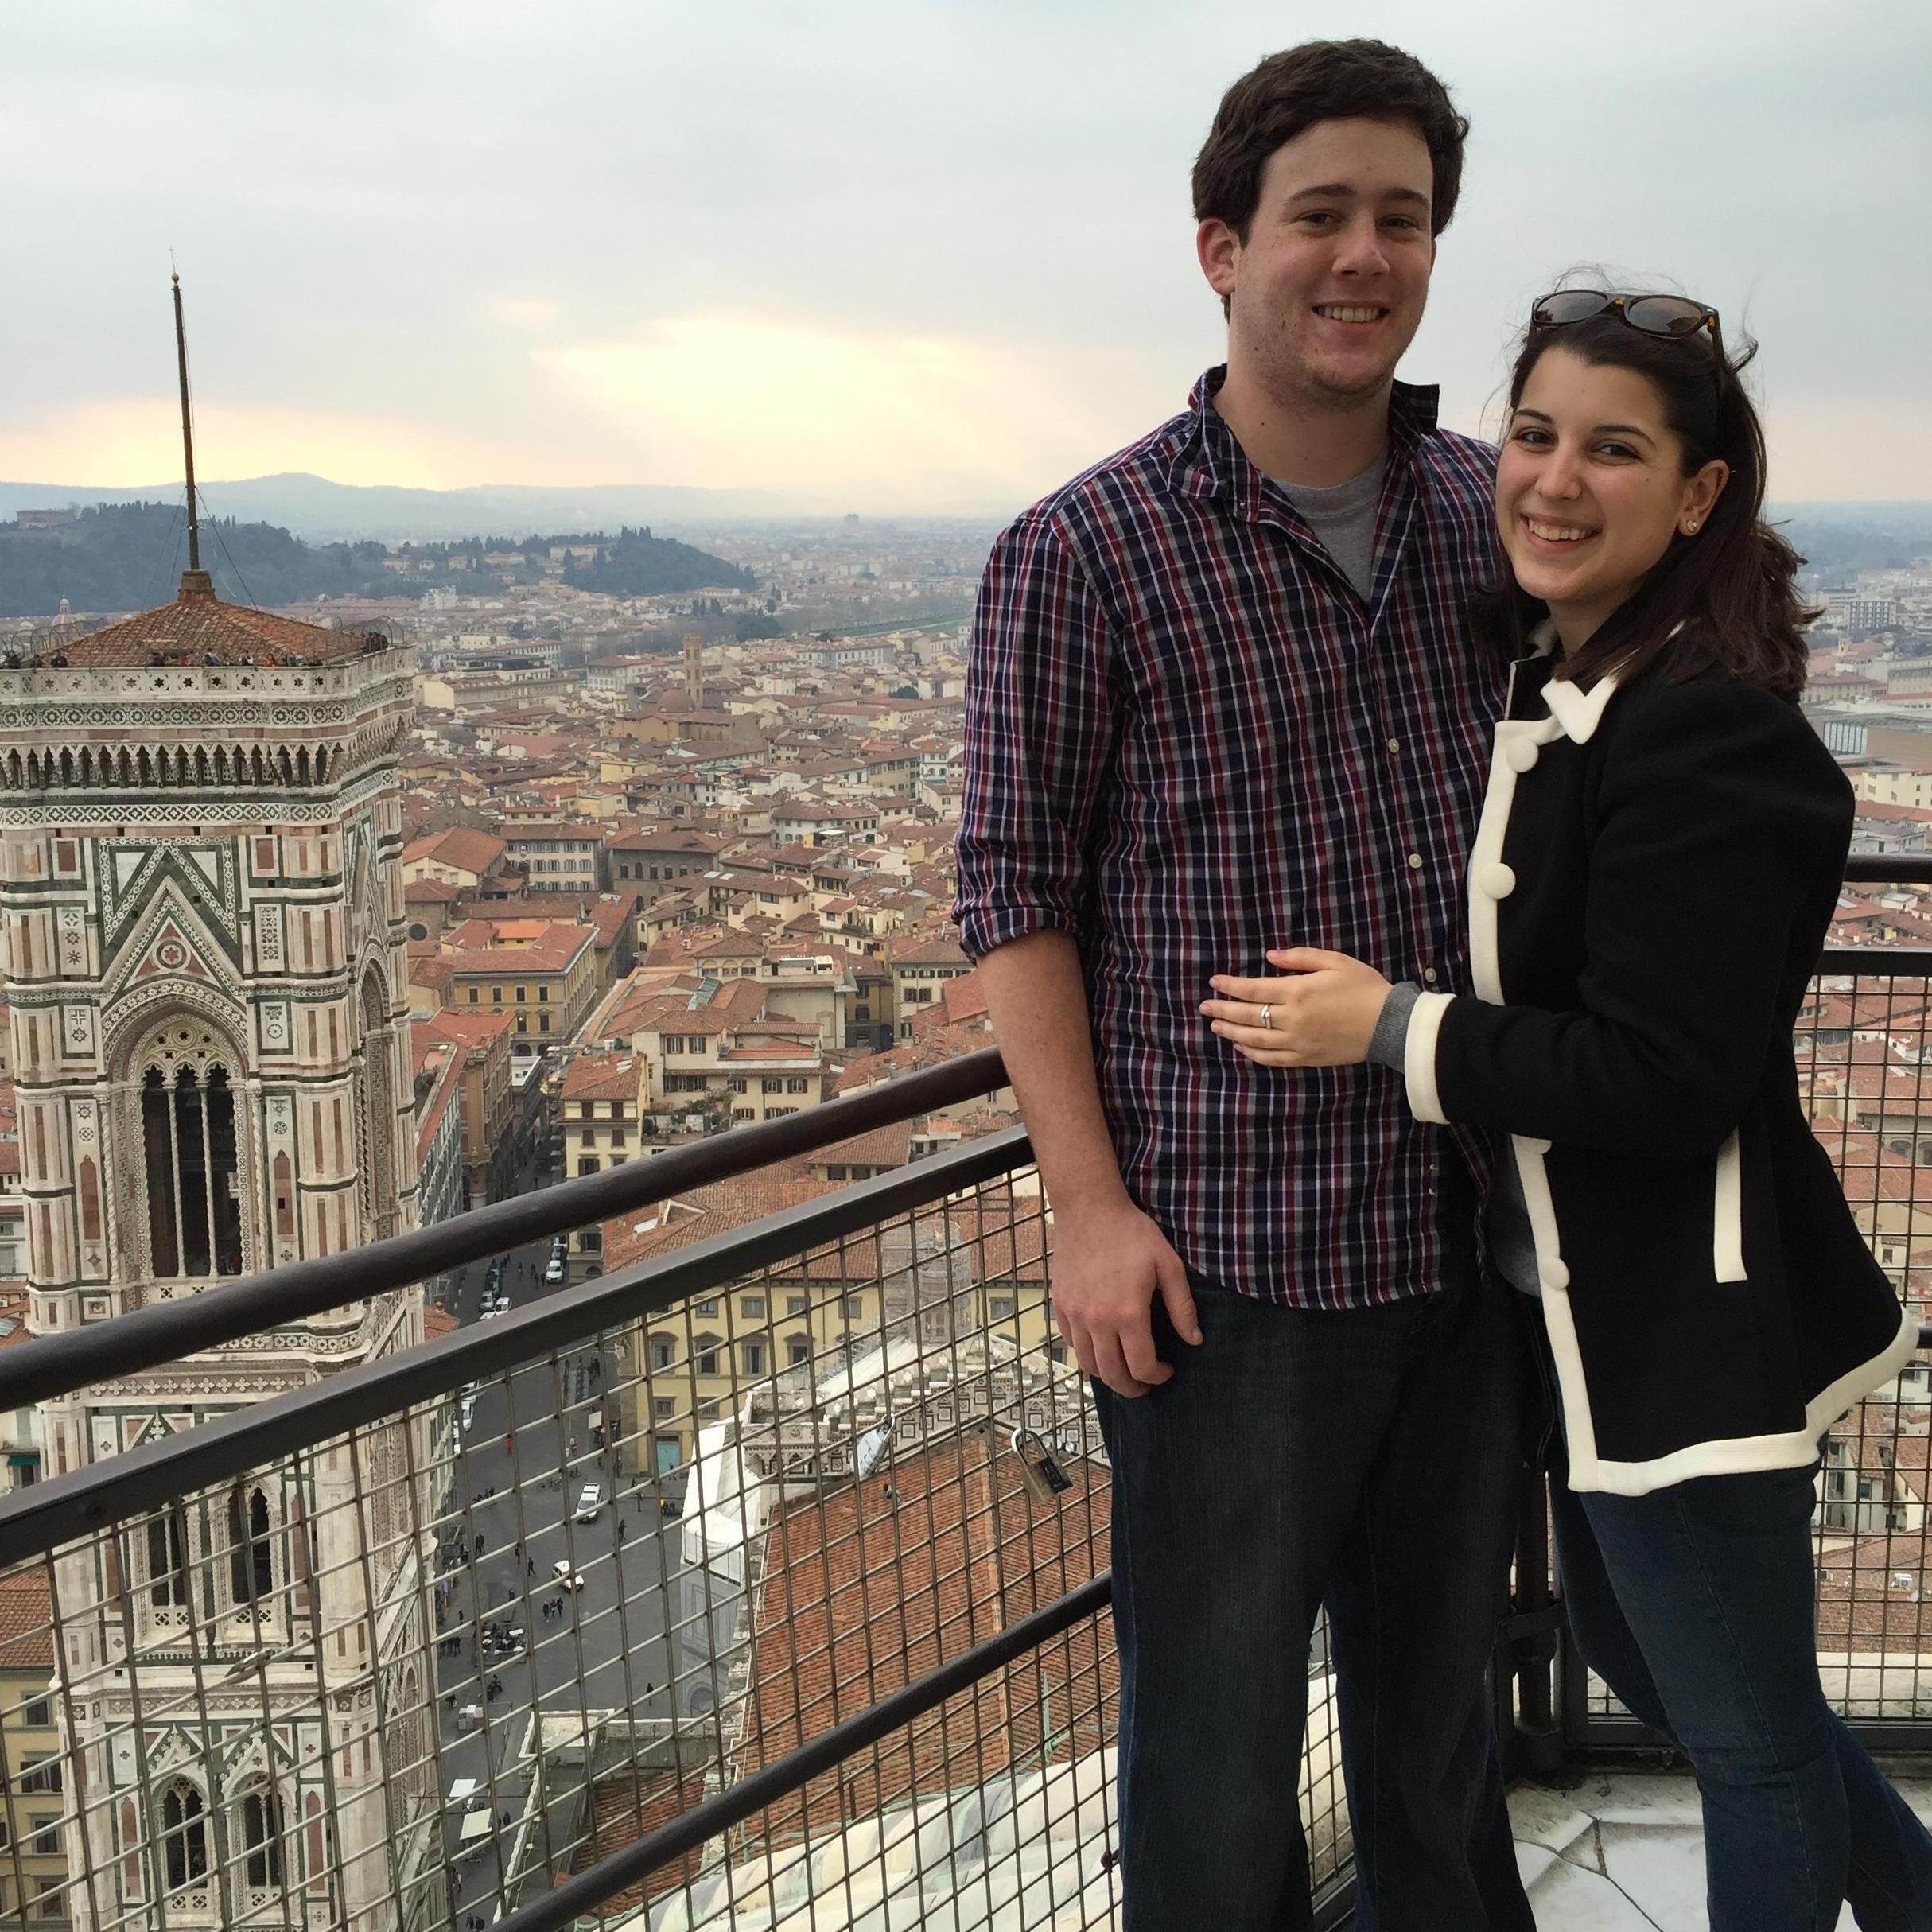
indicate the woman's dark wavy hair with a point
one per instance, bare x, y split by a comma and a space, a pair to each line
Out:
1733, 586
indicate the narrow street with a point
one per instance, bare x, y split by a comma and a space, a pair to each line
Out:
512, 1640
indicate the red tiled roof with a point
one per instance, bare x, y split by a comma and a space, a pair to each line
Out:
473, 1029
466, 847
601, 1076
26, 1622
197, 623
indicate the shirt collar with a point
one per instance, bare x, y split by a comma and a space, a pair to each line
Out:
1578, 711
1211, 462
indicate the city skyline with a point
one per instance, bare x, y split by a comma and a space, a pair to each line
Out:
929, 263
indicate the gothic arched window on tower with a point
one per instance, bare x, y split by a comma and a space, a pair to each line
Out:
251, 1555
167, 1560
261, 1839
194, 1207
183, 1836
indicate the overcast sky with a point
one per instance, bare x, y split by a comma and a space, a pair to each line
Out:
900, 255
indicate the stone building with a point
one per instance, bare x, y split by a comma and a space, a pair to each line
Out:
202, 929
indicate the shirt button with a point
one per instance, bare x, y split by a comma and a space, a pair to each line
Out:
1415, 862
1395, 744
1429, 974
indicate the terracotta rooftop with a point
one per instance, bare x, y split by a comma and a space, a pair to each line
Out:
466, 847
600, 1076
197, 624
26, 1622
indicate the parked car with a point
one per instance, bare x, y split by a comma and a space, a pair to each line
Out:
590, 1502
556, 1270
469, 1411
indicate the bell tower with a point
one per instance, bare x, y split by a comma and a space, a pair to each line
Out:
694, 671
201, 926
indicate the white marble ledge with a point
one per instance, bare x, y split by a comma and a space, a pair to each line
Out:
1620, 1851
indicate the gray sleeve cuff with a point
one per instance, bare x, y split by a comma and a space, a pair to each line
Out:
1389, 1043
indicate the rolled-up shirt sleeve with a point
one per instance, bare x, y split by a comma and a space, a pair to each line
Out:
1039, 731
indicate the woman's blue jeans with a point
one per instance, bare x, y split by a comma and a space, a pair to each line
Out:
1695, 1604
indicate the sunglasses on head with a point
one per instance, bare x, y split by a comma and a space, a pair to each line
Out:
1674, 316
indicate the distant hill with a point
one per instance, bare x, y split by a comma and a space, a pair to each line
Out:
119, 557
1836, 539
322, 511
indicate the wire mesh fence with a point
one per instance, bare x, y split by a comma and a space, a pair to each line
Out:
1864, 1064
424, 1669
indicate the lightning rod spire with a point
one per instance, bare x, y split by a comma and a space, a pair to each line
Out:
188, 433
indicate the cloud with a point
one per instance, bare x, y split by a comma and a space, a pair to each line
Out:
722, 400
120, 440
442, 236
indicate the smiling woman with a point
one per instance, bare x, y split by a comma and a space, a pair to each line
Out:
1630, 493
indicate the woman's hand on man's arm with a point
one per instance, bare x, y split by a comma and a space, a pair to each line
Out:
1323, 1016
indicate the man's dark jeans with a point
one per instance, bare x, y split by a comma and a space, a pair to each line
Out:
1369, 1459
1696, 1604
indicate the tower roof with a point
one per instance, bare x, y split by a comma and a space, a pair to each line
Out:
199, 628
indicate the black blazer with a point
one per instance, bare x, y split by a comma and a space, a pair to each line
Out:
1649, 890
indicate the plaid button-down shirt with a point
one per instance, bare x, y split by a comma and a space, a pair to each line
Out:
1188, 740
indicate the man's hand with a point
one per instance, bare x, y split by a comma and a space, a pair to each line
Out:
1107, 1266
1324, 1016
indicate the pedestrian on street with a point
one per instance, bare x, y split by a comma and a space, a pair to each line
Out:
530, 1563
623, 1528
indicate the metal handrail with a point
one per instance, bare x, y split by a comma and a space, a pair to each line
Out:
1889, 868
52, 1365
83, 1502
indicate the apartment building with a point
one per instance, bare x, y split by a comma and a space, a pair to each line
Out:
559, 854
920, 968
770, 1075
599, 1113
656, 855
543, 972
980, 1267
489, 1103
33, 1869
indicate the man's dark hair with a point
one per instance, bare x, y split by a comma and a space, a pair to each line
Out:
1323, 81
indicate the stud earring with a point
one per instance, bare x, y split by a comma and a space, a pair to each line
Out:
1690, 529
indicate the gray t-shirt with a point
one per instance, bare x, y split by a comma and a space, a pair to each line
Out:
1342, 515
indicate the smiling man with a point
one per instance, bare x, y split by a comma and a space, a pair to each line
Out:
1220, 693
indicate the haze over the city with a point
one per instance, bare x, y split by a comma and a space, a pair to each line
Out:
924, 258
